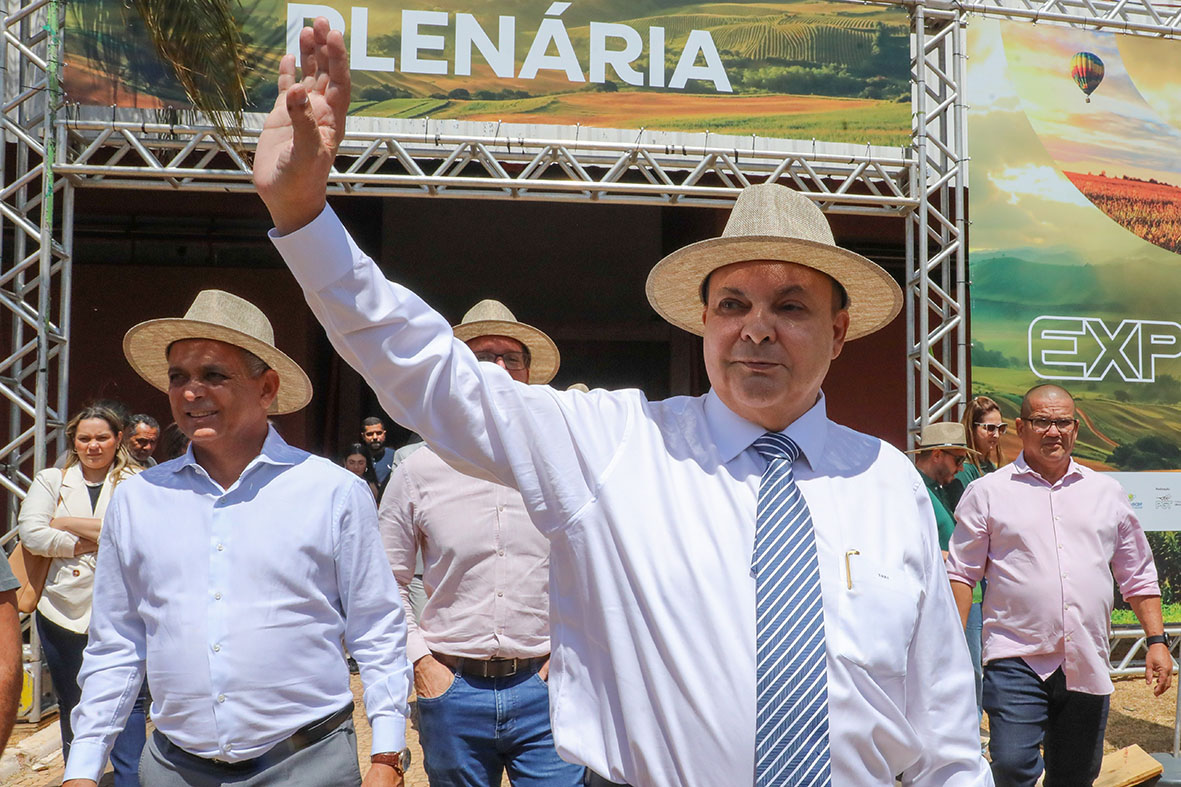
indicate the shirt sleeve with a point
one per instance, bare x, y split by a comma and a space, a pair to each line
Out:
113, 666
551, 448
375, 628
940, 687
1132, 564
37, 511
399, 536
8, 580
967, 552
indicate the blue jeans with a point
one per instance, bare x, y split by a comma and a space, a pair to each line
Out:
480, 726
1025, 713
63, 655
973, 632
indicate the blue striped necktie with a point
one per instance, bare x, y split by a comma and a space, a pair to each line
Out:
791, 729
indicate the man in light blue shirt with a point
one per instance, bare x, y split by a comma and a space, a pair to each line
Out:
232, 574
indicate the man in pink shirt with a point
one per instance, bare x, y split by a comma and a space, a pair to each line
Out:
481, 648
1050, 535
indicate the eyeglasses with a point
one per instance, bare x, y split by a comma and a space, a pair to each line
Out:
513, 361
1065, 425
992, 428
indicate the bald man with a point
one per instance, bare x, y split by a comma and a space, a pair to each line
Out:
1050, 536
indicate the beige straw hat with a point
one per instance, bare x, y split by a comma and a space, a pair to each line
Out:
773, 222
492, 318
225, 318
945, 435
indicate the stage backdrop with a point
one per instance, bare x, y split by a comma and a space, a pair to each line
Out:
794, 69
1075, 259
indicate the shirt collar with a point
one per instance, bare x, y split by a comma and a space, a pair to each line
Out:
1021, 467
928, 480
275, 451
733, 434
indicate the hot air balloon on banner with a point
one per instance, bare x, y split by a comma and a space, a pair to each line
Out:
1087, 70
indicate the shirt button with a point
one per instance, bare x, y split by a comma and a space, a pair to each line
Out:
229, 747
501, 553
217, 648
500, 508
221, 698
77, 573
221, 548
217, 596
499, 593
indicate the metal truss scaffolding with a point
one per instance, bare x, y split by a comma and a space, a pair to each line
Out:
936, 279
35, 229
50, 148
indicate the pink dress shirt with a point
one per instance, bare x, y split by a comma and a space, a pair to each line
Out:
1049, 553
485, 564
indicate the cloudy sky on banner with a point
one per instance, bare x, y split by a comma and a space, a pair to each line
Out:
1029, 122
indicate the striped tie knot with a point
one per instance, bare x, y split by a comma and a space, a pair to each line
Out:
774, 445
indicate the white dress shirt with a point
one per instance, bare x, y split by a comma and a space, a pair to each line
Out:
485, 566
237, 599
650, 511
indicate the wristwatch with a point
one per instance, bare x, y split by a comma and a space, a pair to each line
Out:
398, 760
1158, 639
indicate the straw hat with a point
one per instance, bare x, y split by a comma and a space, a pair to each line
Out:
492, 318
946, 435
225, 318
772, 222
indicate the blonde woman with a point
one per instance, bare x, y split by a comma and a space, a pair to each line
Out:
61, 518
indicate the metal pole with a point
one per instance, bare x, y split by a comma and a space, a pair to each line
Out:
920, 240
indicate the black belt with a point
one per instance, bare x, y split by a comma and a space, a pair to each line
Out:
490, 668
302, 738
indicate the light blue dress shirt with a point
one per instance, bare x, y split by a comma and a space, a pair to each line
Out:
650, 511
237, 600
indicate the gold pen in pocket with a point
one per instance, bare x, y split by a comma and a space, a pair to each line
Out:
849, 568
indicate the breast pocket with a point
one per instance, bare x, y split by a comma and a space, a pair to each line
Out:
874, 626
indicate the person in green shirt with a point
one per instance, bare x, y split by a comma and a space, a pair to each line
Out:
941, 453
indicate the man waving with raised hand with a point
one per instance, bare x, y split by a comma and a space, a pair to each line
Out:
742, 592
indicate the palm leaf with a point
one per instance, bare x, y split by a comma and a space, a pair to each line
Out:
202, 42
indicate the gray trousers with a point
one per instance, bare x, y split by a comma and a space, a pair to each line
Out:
329, 762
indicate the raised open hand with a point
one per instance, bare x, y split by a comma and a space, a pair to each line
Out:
303, 131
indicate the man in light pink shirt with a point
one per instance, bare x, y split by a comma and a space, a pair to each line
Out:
1049, 536
481, 648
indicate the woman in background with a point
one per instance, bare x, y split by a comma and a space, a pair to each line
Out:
61, 518
356, 460
985, 425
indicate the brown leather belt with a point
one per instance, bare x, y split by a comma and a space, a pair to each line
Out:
490, 668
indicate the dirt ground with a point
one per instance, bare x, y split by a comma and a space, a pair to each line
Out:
1136, 717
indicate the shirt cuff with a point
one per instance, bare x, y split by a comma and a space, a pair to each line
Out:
957, 576
318, 253
389, 733
86, 761
416, 647
1140, 588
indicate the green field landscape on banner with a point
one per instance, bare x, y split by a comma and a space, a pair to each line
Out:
803, 69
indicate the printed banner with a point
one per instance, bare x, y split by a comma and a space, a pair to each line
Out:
799, 69
1075, 247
